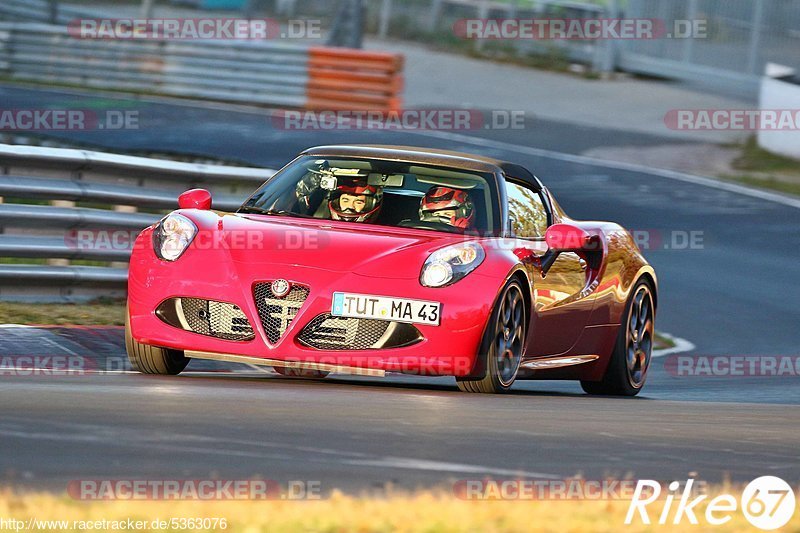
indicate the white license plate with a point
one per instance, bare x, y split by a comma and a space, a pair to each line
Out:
383, 308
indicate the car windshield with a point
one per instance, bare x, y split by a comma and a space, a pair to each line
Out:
387, 193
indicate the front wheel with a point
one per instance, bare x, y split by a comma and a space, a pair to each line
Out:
152, 359
503, 343
630, 361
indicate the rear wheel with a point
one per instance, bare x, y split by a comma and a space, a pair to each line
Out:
503, 343
630, 361
152, 359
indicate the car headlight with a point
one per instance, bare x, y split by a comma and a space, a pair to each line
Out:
450, 264
172, 236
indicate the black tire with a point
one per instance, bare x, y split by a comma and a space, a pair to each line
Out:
152, 359
623, 378
300, 372
501, 349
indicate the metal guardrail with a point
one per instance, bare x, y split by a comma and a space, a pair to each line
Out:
43, 216
116, 187
54, 247
57, 283
262, 72
267, 73
46, 189
13, 156
44, 11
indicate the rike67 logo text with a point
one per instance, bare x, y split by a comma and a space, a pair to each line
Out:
767, 503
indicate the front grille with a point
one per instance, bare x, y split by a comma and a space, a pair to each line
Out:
207, 317
327, 332
276, 313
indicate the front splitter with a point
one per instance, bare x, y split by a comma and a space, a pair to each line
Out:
300, 365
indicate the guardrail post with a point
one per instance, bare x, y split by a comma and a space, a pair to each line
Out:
385, 17
348, 25
755, 40
146, 10
286, 8
436, 12
483, 13
60, 203
123, 209
53, 13
605, 57
5, 58
688, 45
6, 38
512, 9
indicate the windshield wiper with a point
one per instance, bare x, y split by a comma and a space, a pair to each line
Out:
249, 209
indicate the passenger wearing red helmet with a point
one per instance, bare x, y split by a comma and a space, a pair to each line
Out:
356, 201
448, 206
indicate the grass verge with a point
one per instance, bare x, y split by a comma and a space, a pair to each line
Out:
103, 312
770, 183
423, 512
757, 167
662, 342
755, 159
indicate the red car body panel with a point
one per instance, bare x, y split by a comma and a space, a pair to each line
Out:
575, 309
350, 265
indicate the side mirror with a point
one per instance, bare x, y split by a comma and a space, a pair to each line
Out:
568, 238
561, 238
195, 199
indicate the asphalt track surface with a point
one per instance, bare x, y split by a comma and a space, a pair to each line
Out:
734, 295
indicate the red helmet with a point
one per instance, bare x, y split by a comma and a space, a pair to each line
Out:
440, 199
372, 198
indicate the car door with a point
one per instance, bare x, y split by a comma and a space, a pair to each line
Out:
561, 308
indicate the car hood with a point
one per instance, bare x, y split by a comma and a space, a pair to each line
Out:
376, 251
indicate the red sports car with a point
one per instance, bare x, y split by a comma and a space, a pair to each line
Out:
374, 259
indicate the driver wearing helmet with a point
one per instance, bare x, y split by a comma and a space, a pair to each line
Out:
356, 201
448, 206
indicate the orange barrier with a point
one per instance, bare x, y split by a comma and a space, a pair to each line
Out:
344, 79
